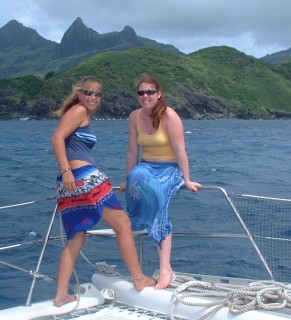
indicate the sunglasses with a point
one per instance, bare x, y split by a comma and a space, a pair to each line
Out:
89, 93
147, 92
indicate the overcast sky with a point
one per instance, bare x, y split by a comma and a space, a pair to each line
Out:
255, 27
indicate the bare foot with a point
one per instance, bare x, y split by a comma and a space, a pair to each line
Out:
61, 302
164, 280
144, 281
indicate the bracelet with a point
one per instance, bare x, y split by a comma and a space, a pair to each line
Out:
65, 170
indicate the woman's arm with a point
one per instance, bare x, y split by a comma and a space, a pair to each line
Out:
69, 123
133, 147
175, 130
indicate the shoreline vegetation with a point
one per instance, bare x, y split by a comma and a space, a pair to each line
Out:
217, 82
211, 83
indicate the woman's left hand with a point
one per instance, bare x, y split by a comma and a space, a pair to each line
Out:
122, 187
193, 186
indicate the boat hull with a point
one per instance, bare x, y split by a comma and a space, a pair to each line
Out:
160, 301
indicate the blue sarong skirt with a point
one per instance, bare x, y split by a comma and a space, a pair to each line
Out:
150, 188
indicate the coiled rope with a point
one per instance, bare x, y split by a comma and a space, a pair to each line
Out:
264, 295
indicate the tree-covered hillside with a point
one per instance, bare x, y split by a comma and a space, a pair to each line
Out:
213, 82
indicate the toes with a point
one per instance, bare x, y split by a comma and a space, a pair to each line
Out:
165, 280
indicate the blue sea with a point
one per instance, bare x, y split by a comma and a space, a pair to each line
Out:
244, 156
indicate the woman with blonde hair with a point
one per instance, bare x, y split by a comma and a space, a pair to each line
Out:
84, 193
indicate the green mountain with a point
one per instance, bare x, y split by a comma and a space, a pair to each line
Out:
23, 51
210, 83
284, 68
277, 57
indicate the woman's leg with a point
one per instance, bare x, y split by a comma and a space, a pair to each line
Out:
66, 268
120, 223
166, 271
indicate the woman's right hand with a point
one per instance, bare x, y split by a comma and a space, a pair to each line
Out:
69, 181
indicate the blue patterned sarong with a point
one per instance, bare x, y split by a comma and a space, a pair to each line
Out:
82, 209
150, 189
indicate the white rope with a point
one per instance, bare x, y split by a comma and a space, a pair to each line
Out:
265, 295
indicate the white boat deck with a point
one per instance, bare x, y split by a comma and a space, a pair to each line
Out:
161, 301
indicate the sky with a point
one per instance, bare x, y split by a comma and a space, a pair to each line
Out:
255, 27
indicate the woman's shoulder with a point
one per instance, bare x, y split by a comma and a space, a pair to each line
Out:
78, 110
171, 119
77, 114
171, 113
136, 111
134, 114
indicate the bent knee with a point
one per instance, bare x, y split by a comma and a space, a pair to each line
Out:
123, 224
118, 220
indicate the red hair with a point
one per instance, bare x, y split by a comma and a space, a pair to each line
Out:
161, 106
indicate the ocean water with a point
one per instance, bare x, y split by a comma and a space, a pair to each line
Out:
244, 156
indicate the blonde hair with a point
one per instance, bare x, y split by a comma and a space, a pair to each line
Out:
161, 107
73, 98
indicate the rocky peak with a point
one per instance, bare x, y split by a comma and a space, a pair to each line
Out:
128, 35
78, 39
15, 35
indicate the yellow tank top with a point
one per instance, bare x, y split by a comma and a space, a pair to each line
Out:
155, 146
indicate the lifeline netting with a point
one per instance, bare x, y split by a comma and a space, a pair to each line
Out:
269, 222
230, 247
